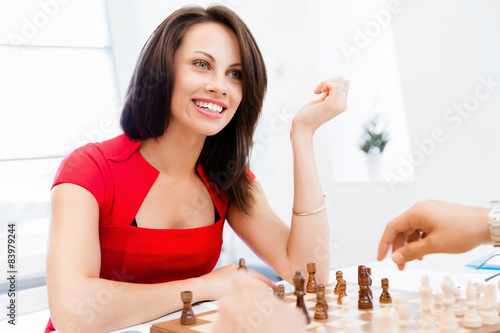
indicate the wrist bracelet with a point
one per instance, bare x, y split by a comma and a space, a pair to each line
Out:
494, 217
313, 211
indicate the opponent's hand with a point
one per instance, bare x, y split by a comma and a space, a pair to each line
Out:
331, 104
218, 282
253, 308
434, 227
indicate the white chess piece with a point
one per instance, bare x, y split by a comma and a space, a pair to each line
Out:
382, 321
472, 318
426, 293
403, 312
448, 322
458, 309
438, 301
489, 302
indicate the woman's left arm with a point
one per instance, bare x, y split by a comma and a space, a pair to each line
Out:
308, 239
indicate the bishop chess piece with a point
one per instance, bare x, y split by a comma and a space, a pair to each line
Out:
299, 281
312, 283
242, 265
385, 297
187, 316
338, 276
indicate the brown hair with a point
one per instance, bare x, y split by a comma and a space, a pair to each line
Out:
146, 113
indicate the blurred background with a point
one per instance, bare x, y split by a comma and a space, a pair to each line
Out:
423, 118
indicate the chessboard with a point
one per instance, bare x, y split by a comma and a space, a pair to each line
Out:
363, 318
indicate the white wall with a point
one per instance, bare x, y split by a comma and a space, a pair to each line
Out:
442, 47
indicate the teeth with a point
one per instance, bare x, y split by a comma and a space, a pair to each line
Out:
209, 106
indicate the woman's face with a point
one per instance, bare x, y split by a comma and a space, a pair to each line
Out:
207, 85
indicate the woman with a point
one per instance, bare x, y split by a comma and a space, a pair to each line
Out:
133, 217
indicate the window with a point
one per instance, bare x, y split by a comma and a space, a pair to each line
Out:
57, 92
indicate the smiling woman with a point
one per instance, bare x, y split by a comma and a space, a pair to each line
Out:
141, 215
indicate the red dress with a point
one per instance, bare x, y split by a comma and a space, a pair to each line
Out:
119, 177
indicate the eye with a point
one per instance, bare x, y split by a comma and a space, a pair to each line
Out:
201, 64
235, 74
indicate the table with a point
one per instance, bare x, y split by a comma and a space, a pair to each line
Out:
409, 279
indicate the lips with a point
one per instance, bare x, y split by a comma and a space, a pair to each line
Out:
210, 106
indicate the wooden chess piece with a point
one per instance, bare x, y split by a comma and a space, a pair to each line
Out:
279, 291
187, 316
338, 276
385, 297
365, 301
342, 291
322, 294
312, 283
298, 281
321, 310
242, 265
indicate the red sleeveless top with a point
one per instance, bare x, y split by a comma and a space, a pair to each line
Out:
119, 178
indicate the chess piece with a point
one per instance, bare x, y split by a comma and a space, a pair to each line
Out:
279, 291
242, 265
382, 321
187, 316
322, 294
338, 276
448, 322
458, 309
321, 309
472, 318
342, 291
426, 323
385, 297
299, 281
365, 301
489, 302
312, 283
404, 316
438, 310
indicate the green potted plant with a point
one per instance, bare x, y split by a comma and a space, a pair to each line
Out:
374, 139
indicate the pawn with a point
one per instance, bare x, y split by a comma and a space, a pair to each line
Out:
321, 309
342, 291
242, 265
472, 318
322, 294
385, 297
458, 309
338, 276
187, 316
312, 283
279, 291
438, 311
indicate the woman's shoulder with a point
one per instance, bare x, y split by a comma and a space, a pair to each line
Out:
117, 149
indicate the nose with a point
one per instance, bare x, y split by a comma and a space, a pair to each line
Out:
217, 85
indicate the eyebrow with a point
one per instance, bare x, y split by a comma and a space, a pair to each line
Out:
213, 59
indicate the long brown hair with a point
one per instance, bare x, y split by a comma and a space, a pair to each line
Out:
225, 155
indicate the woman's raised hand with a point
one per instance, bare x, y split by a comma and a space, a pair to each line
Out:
331, 104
